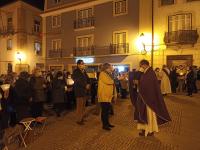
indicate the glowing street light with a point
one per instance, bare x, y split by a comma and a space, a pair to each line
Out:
19, 56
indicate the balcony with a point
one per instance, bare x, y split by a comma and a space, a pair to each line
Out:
84, 51
121, 48
57, 53
181, 37
118, 49
84, 23
7, 31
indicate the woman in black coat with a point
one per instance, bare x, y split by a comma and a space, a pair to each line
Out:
38, 85
190, 81
58, 93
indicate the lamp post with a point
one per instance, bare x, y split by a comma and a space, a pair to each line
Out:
152, 30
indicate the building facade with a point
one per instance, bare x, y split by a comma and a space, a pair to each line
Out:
176, 31
20, 38
96, 31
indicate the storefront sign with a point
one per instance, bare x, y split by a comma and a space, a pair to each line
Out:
86, 60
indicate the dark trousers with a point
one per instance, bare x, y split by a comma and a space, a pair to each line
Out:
123, 93
189, 88
105, 111
37, 109
195, 86
58, 107
22, 111
1, 132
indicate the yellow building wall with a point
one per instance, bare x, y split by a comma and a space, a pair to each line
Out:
161, 14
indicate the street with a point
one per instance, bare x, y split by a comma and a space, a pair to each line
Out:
180, 134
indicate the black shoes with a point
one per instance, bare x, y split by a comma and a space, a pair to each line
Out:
111, 126
142, 133
107, 128
80, 122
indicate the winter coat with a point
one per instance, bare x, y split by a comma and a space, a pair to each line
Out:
58, 91
37, 89
81, 79
106, 88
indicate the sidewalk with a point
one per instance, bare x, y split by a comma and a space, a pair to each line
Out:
183, 133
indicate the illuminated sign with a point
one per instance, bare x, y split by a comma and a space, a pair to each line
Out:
86, 60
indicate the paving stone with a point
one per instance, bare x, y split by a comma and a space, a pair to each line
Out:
65, 134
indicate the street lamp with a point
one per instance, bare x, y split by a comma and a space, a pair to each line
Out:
19, 56
143, 44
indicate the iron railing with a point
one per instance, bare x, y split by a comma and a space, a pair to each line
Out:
83, 23
120, 48
83, 51
181, 37
7, 30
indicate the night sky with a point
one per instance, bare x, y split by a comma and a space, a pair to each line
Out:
37, 3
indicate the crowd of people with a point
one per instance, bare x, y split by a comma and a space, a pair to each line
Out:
24, 95
178, 79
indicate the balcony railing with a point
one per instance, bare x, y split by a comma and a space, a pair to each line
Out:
55, 53
84, 51
121, 48
7, 30
83, 23
181, 37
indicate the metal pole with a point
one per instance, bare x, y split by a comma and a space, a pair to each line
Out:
152, 25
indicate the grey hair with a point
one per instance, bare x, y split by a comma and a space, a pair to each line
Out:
105, 66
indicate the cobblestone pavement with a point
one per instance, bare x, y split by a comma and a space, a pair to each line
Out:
183, 133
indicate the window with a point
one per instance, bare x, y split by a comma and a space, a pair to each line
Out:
120, 7
57, 1
9, 44
36, 26
119, 45
84, 41
167, 2
119, 37
85, 13
56, 21
56, 45
9, 24
180, 22
37, 47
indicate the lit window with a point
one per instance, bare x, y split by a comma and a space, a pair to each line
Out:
84, 41
56, 21
37, 47
36, 26
85, 13
120, 7
9, 44
56, 45
180, 22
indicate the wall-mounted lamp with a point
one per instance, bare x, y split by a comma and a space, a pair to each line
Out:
19, 57
143, 44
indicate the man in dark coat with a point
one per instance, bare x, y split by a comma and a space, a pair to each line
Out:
81, 86
22, 94
58, 93
151, 108
3, 118
190, 81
